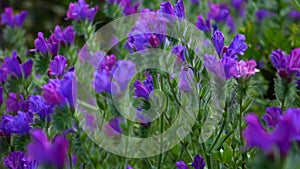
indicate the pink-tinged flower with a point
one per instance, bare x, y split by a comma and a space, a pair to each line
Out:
49, 153
113, 127
8, 18
81, 11
18, 160
246, 68
57, 66
61, 91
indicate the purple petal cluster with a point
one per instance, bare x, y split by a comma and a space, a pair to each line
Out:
203, 25
148, 32
144, 89
49, 153
198, 163
178, 10
179, 51
18, 124
58, 38
128, 6
38, 105
65, 36
113, 76
14, 67
239, 5
231, 67
57, 65
221, 13
15, 102
287, 65
18, 160
185, 79
285, 129
81, 11
8, 18
61, 91
113, 127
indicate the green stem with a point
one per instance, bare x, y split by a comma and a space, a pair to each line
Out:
161, 140
221, 130
241, 129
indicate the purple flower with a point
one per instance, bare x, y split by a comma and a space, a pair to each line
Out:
3, 75
148, 32
19, 124
18, 160
65, 36
262, 14
51, 92
60, 91
255, 135
185, 79
102, 82
237, 46
50, 153
239, 6
40, 106
272, 116
294, 14
57, 66
230, 67
286, 65
218, 12
278, 59
113, 127
218, 39
128, 6
179, 51
46, 46
1, 96
12, 66
8, 18
178, 10
195, 1
181, 165
81, 11
203, 25
122, 74
286, 130
68, 87
198, 162
129, 167
214, 65
293, 61
144, 89
246, 68
15, 102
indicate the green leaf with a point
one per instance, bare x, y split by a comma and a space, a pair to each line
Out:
61, 119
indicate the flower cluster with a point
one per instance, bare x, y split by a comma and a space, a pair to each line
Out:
8, 18
229, 66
